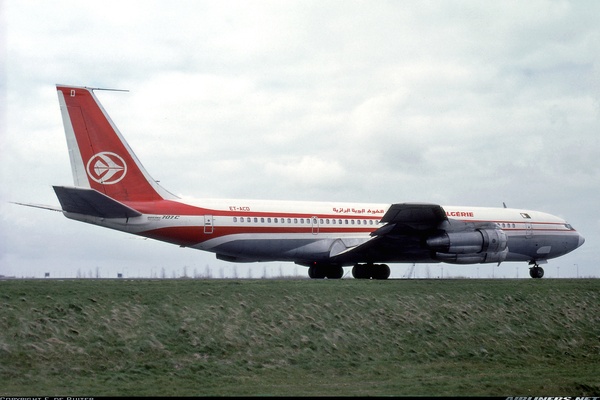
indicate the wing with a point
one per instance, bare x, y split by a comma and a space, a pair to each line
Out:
408, 217
401, 238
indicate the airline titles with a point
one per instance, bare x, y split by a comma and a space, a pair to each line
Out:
459, 213
349, 210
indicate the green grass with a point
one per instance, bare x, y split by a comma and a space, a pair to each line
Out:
299, 337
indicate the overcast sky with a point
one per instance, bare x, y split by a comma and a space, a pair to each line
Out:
452, 102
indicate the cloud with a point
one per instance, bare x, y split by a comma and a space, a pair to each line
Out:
307, 171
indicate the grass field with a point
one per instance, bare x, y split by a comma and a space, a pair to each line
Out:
300, 337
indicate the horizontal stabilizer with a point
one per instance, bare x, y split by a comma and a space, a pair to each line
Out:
91, 202
42, 206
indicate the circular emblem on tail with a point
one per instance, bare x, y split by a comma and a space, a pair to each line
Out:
106, 168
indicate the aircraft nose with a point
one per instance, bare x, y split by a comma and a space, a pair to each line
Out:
581, 241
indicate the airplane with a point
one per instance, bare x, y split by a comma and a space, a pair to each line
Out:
112, 189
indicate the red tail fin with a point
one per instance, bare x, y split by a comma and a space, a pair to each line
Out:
100, 157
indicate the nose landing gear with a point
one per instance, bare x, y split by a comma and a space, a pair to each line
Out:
536, 271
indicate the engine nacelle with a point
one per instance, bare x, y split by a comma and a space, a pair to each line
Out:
479, 258
467, 247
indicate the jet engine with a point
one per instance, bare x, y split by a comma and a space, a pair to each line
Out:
468, 247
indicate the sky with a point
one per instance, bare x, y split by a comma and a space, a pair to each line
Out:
471, 103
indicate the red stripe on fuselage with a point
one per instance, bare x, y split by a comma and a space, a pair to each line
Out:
191, 235
170, 207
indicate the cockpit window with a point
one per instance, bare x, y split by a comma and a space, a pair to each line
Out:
569, 227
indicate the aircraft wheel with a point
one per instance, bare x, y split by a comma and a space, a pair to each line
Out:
315, 272
381, 271
325, 271
536, 272
335, 272
368, 271
359, 271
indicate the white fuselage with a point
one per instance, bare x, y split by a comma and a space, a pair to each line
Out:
304, 232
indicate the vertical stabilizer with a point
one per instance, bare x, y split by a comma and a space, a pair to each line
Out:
100, 158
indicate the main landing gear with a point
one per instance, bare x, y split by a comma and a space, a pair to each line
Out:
371, 271
536, 271
319, 271
359, 271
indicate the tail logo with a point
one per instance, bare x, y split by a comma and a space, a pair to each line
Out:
106, 168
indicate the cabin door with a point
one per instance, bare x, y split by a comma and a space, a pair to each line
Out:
315, 225
208, 224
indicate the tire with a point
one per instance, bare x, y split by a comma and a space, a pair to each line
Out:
335, 272
381, 272
317, 272
536, 272
359, 271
